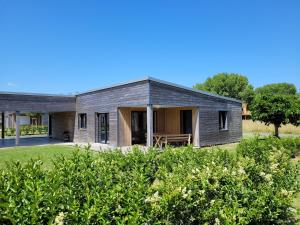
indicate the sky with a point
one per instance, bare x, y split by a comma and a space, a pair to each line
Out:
64, 47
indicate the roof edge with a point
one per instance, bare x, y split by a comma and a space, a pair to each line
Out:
113, 86
34, 94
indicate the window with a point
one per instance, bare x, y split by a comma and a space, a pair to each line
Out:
82, 121
223, 120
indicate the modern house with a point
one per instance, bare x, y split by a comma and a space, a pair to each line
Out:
137, 112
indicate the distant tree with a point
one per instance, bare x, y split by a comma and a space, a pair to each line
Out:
279, 88
230, 85
276, 104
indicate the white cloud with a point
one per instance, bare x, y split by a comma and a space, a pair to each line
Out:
10, 84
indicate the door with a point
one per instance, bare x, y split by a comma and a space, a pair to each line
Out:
103, 128
138, 127
186, 124
50, 126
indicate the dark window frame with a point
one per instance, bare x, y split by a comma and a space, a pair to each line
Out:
82, 121
223, 120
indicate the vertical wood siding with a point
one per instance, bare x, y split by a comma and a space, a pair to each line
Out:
209, 106
108, 101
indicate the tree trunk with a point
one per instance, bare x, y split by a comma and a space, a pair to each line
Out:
276, 130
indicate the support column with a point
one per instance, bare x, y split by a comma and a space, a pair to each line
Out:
197, 129
17, 127
2, 125
49, 125
149, 125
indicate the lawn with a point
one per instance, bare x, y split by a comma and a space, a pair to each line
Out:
45, 153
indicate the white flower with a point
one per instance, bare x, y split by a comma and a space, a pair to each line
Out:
154, 198
59, 219
195, 171
241, 170
268, 177
217, 221
291, 209
262, 174
274, 166
202, 192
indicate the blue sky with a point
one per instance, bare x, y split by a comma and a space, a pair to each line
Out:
68, 46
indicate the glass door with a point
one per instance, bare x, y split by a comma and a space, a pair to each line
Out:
103, 127
138, 127
186, 124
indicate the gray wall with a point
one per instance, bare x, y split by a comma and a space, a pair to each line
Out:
61, 122
209, 106
36, 103
108, 101
138, 94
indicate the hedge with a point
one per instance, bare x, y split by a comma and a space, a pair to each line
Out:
27, 130
177, 186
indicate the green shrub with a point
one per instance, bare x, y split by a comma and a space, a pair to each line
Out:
176, 186
28, 130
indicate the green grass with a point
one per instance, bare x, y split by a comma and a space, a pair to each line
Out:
23, 154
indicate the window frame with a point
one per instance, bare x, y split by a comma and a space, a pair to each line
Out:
223, 126
82, 121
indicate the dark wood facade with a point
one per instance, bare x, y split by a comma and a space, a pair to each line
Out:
116, 99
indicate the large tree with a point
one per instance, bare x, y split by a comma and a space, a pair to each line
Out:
230, 85
276, 104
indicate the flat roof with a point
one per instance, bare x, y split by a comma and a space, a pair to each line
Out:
125, 83
161, 82
34, 94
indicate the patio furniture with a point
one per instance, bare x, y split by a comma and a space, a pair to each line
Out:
164, 139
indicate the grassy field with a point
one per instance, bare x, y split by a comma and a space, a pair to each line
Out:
257, 127
45, 153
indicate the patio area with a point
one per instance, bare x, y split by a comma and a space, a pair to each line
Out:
28, 141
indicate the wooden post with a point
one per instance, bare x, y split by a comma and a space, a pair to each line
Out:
197, 129
149, 125
2, 125
17, 127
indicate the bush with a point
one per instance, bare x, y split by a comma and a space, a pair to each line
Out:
176, 186
27, 130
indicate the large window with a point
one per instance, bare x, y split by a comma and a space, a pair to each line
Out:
223, 121
82, 120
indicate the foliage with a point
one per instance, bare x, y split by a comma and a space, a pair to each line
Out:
176, 186
27, 130
277, 88
230, 85
276, 104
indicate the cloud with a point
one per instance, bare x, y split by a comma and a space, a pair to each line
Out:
10, 84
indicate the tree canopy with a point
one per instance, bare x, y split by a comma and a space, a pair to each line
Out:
276, 104
228, 84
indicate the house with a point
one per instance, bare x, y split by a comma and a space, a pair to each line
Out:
135, 112
246, 114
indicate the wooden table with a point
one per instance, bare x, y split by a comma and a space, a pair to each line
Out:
160, 139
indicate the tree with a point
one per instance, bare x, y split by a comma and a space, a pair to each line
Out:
229, 85
276, 104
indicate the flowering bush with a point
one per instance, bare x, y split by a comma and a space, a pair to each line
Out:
176, 186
